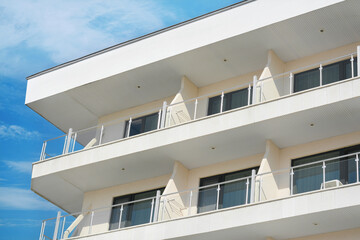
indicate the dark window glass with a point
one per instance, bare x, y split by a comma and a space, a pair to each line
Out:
142, 124
134, 213
231, 100
310, 178
331, 73
231, 194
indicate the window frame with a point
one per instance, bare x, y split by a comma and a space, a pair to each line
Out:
342, 73
131, 196
221, 178
228, 100
143, 122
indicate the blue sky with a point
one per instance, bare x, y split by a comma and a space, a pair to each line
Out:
39, 34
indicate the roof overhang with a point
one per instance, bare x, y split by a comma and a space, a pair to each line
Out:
108, 81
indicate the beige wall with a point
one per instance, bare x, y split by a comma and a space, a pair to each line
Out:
274, 185
104, 198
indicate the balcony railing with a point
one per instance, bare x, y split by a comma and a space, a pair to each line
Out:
316, 176
258, 91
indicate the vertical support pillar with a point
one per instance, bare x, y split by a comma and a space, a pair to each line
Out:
163, 115
291, 181
321, 74
101, 134
42, 230
42, 154
217, 196
254, 89
291, 79
357, 167
358, 61
68, 140
57, 225
252, 186
249, 94
324, 177
190, 202
222, 102
159, 119
120, 216
352, 66
157, 206
129, 128
152, 210
195, 109
91, 221
247, 191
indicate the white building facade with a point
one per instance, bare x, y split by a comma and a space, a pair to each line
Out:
239, 124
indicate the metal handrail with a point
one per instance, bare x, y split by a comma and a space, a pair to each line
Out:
308, 164
309, 66
159, 108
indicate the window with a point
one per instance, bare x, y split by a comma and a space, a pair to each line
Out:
142, 124
310, 178
134, 213
231, 194
331, 73
231, 100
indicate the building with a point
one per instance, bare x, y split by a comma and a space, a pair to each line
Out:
239, 124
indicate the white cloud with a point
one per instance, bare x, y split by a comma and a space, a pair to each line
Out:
15, 131
20, 222
68, 29
22, 199
22, 167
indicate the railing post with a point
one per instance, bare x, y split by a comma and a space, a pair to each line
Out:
217, 196
91, 221
247, 191
261, 91
129, 127
358, 61
195, 109
63, 228
260, 187
352, 66
222, 102
159, 119
42, 230
190, 202
120, 216
252, 186
357, 167
291, 79
57, 225
163, 208
152, 210
42, 154
73, 142
101, 134
249, 94
163, 115
323, 170
157, 205
254, 88
68, 140
291, 181
321, 75
65, 141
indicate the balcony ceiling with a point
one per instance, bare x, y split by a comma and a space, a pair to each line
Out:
235, 134
291, 39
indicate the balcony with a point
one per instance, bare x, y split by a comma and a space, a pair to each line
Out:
197, 108
313, 191
77, 160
